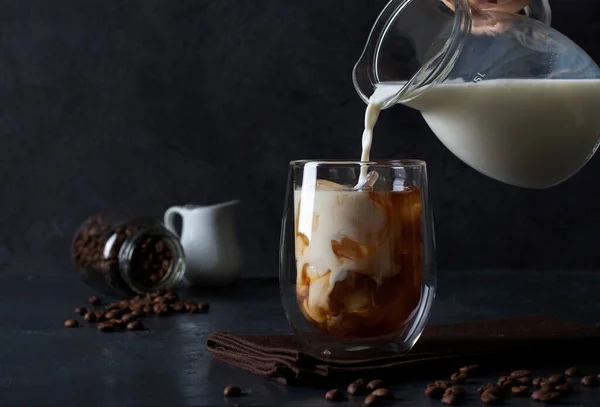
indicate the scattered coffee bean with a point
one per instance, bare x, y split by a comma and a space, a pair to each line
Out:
470, 370
335, 395
557, 379
94, 300
203, 307
192, 308
443, 384
106, 327
456, 390
71, 323
90, 317
525, 380
564, 388
450, 399
490, 398
520, 373
177, 307
545, 396
375, 384
357, 388
113, 314
100, 315
161, 309
589, 381
537, 381
507, 382
232, 391
487, 386
459, 378
80, 311
372, 400
135, 326
128, 318
573, 371
519, 391
384, 394
549, 387
435, 392
137, 313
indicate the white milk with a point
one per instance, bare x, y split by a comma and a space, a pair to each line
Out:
529, 133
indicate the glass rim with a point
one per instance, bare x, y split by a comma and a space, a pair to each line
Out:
402, 163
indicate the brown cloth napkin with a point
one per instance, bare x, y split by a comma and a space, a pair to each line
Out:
510, 343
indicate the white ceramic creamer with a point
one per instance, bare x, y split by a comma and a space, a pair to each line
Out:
208, 236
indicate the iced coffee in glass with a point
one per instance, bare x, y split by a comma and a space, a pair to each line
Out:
361, 250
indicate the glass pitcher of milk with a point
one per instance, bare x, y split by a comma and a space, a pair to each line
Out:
506, 93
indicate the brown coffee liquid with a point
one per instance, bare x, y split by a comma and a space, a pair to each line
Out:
381, 293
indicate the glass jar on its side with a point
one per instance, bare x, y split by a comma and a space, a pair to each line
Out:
127, 258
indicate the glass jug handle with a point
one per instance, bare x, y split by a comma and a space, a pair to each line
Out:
539, 10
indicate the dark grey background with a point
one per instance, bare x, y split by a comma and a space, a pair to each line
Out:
133, 106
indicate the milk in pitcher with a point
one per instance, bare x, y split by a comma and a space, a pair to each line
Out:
532, 133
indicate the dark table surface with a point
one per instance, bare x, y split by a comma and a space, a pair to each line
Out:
44, 364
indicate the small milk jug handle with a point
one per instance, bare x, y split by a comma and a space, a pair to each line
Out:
169, 218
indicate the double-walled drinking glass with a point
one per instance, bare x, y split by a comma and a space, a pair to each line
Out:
357, 255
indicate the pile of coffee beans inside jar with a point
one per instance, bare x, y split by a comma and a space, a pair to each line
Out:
127, 314
145, 265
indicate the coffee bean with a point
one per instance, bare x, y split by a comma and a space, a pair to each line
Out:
376, 384
71, 323
589, 381
469, 369
573, 371
118, 323
192, 309
94, 300
520, 373
487, 386
147, 309
496, 391
357, 388
106, 327
457, 391
490, 398
135, 326
545, 396
435, 392
232, 391
123, 304
137, 313
537, 381
178, 307
128, 318
90, 317
81, 310
335, 395
548, 387
443, 384
564, 388
519, 391
161, 309
450, 399
384, 394
113, 314
100, 315
372, 400
203, 307
459, 378
557, 379
507, 382
525, 380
